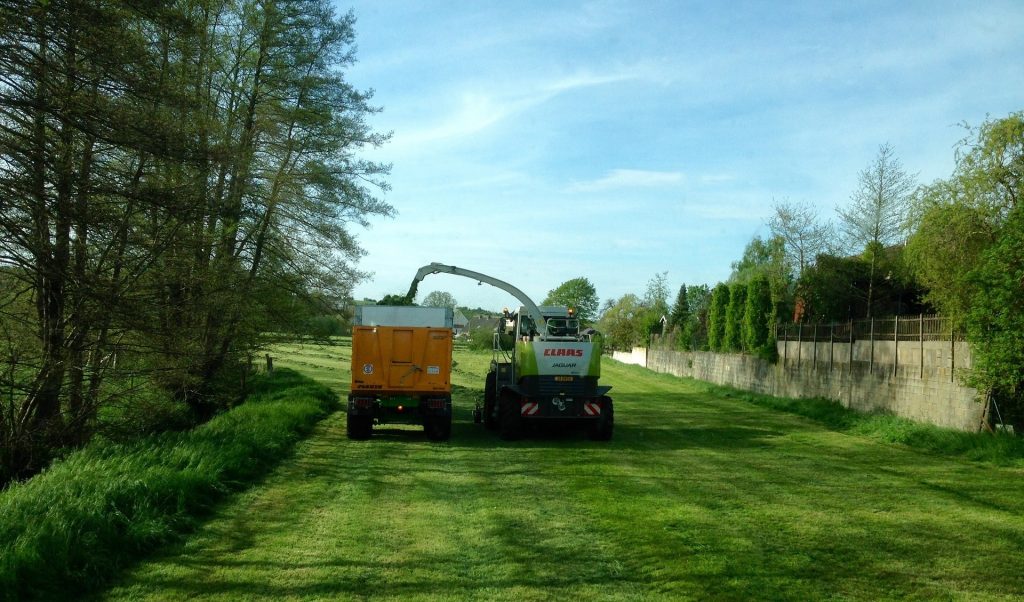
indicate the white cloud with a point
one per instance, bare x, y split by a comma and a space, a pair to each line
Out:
628, 178
484, 106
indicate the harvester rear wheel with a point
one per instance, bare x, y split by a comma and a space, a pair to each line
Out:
359, 427
490, 421
510, 421
602, 429
438, 428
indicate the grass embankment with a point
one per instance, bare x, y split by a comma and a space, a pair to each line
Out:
698, 496
998, 448
77, 523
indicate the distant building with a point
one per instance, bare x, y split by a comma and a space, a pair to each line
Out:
461, 323
478, 322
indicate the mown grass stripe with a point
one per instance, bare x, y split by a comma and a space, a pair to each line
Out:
698, 496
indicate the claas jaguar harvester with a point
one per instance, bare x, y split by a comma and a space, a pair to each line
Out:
401, 369
544, 368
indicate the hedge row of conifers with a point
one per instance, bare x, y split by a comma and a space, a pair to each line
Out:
75, 525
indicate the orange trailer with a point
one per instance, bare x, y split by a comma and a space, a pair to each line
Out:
401, 373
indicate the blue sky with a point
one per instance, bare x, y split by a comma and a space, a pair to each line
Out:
541, 141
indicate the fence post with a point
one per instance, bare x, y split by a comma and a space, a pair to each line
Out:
920, 331
785, 346
814, 348
871, 337
799, 343
952, 353
896, 340
831, 345
851, 345
270, 364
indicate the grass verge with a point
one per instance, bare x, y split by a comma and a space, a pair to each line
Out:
74, 525
998, 448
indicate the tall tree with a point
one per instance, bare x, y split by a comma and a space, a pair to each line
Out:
577, 293
439, 299
878, 210
767, 258
996, 320
175, 178
758, 317
680, 310
733, 333
947, 245
622, 322
717, 317
804, 236
695, 333
655, 303
656, 294
958, 218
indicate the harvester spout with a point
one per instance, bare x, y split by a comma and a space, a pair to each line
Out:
440, 268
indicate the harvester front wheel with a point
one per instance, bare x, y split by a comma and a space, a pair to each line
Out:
509, 420
359, 427
602, 429
490, 395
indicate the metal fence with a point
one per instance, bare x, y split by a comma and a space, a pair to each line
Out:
900, 328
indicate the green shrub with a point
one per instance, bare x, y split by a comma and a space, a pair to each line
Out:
734, 318
481, 339
73, 526
757, 316
716, 317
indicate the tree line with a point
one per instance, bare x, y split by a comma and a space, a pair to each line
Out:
954, 246
177, 180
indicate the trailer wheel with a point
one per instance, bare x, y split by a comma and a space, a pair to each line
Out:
359, 427
490, 421
510, 420
602, 429
438, 428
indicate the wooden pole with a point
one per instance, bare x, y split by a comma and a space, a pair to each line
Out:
871, 336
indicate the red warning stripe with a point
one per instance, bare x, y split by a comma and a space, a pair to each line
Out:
592, 409
529, 408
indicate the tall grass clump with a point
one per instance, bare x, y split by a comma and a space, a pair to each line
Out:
997, 448
73, 526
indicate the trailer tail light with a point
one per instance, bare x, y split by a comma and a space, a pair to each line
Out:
400, 409
436, 404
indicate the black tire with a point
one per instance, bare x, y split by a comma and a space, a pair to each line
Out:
359, 428
490, 395
510, 421
602, 429
438, 428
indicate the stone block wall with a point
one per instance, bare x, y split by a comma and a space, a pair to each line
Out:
638, 356
904, 382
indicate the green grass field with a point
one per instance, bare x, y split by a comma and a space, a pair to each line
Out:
698, 496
